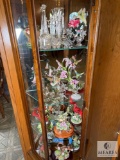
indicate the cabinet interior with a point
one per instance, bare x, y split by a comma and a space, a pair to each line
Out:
58, 96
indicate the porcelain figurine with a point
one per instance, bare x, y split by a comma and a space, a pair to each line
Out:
63, 129
76, 119
76, 143
62, 152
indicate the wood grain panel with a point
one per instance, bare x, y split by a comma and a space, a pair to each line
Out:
105, 97
94, 25
9, 66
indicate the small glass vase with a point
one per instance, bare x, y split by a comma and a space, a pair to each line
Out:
56, 43
45, 41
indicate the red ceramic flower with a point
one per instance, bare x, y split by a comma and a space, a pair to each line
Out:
42, 148
76, 109
74, 23
41, 139
27, 31
71, 101
35, 113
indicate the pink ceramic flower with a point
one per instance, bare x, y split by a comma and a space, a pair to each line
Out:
59, 65
73, 66
50, 72
27, 31
34, 80
74, 23
74, 58
74, 82
68, 62
63, 124
63, 75
47, 66
42, 148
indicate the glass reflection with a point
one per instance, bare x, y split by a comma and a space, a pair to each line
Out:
22, 30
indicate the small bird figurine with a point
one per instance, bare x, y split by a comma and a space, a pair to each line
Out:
82, 15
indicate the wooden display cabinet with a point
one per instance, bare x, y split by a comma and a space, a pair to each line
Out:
26, 64
19, 59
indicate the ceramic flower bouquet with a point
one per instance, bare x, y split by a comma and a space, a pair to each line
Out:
76, 119
63, 126
67, 73
76, 31
62, 152
62, 123
76, 142
62, 79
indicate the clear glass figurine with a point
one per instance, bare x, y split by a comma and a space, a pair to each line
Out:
45, 37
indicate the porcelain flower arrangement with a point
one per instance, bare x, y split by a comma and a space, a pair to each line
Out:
67, 73
76, 142
76, 119
76, 31
63, 126
62, 152
39, 127
65, 77
62, 123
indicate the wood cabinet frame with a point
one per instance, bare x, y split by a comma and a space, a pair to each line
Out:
12, 67
92, 42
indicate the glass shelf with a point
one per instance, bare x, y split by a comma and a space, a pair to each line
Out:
32, 92
62, 49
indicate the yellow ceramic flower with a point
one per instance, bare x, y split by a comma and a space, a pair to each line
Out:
82, 15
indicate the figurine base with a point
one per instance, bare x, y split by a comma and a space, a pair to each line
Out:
63, 134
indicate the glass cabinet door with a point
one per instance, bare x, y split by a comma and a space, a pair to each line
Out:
54, 84
35, 112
